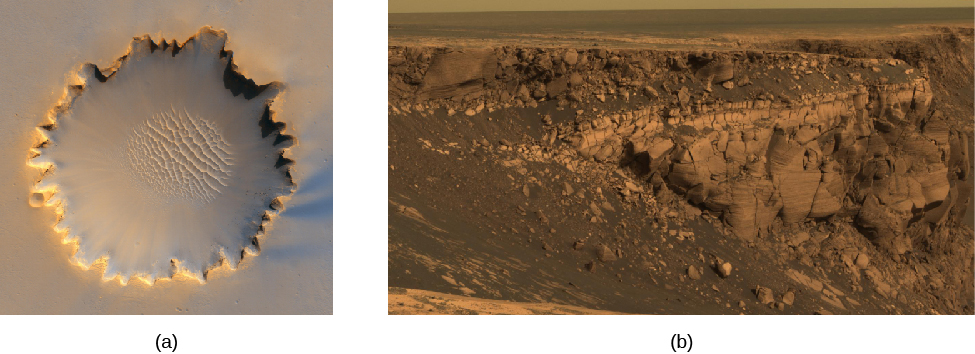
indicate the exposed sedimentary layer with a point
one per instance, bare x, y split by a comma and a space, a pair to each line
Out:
757, 139
167, 163
749, 155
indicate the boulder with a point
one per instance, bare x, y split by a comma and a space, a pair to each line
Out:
764, 295
863, 261
571, 57
456, 74
523, 93
575, 80
604, 254
724, 269
540, 92
719, 70
557, 86
799, 238
683, 95
659, 146
789, 298
885, 223
604, 153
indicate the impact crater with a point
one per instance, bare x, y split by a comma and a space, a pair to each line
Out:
168, 162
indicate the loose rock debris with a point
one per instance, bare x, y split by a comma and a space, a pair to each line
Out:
838, 181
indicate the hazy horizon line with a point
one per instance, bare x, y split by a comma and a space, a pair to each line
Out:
698, 9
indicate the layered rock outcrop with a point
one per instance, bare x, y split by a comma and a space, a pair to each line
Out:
786, 136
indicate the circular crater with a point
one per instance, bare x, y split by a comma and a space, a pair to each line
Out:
169, 162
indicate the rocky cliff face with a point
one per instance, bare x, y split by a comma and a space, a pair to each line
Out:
755, 138
859, 141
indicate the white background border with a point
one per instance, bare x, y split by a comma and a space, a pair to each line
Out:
360, 324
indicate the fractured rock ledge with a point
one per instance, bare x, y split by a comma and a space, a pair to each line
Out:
799, 136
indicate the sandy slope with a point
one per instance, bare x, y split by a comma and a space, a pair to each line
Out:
291, 43
422, 302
